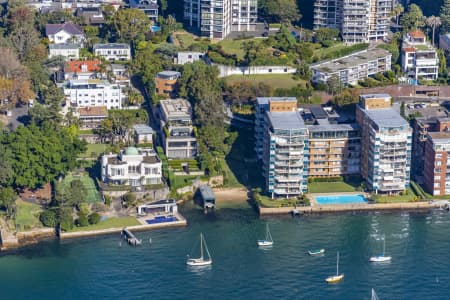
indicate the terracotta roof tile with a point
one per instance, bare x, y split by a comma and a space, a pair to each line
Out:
92, 111
76, 66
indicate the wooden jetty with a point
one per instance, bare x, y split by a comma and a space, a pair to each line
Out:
130, 237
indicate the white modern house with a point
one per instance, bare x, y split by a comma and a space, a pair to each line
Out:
419, 58
184, 57
143, 134
93, 92
133, 166
69, 51
113, 51
64, 33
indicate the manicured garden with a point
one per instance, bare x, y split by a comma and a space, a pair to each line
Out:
115, 222
330, 187
407, 196
27, 215
94, 150
92, 194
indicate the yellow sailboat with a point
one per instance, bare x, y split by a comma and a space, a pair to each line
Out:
335, 278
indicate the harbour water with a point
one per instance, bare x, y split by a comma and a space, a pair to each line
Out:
101, 268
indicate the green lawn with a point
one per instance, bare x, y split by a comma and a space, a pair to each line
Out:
92, 194
27, 215
330, 187
184, 39
410, 197
110, 223
93, 150
234, 47
274, 80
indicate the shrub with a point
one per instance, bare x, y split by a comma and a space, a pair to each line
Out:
107, 200
94, 218
48, 218
82, 220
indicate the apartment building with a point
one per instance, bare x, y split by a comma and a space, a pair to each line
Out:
437, 163
419, 59
177, 134
149, 7
285, 159
113, 51
359, 21
352, 68
133, 166
385, 144
435, 122
93, 92
166, 83
83, 69
334, 150
215, 19
271, 104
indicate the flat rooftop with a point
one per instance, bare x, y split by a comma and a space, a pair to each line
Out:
332, 127
441, 137
372, 96
176, 108
352, 60
386, 117
286, 120
266, 100
142, 129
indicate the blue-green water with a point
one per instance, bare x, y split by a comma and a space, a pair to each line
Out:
100, 269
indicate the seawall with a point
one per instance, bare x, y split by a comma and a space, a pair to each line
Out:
89, 233
348, 207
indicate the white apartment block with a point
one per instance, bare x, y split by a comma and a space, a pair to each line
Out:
184, 57
215, 19
68, 51
284, 161
113, 51
93, 92
360, 21
419, 58
354, 67
386, 140
133, 167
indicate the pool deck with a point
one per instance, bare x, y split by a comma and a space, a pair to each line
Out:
316, 208
144, 227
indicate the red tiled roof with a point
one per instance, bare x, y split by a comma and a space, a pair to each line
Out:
409, 49
75, 66
417, 34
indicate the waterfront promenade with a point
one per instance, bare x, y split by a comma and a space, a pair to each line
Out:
315, 209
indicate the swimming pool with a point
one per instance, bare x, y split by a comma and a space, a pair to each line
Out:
341, 199
155, 28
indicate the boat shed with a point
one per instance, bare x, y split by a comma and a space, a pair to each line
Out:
206, 194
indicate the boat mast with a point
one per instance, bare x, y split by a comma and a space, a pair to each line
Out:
201, 246
337, 264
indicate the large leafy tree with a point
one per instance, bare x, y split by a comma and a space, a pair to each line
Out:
445, 16
40, 154
200, 85
413, 18
283, 11
130, 25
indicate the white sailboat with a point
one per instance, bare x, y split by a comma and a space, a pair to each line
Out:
381, 257
338, 277
268, 241
201, 261
374, 295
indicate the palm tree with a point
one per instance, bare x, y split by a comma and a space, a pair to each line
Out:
397, 11
433, 22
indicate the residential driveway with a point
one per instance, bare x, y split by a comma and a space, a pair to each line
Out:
17, 116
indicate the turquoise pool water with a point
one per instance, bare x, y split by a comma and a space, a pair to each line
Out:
341, 199
155, 28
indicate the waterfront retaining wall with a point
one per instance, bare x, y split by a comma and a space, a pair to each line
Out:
347, 207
